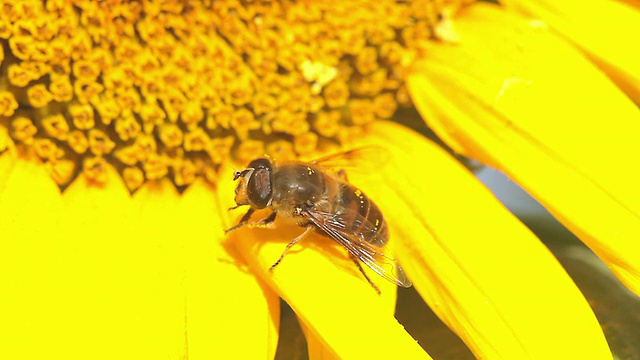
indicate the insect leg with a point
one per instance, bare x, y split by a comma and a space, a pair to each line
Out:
293, 242
266, 223
355, 261
243, 221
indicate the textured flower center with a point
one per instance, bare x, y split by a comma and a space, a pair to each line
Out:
174, 89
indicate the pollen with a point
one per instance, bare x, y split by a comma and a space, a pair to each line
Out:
175, 89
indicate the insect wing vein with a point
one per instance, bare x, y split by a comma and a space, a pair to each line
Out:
383, 265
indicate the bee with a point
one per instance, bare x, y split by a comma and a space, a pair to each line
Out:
322, 201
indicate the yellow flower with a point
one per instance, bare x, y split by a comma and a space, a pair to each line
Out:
121, 125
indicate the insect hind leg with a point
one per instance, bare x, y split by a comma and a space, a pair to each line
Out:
355, 261
293, 242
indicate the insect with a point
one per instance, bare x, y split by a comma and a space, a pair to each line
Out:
317, 199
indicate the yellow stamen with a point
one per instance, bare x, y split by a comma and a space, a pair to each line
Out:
155, 167
94, 169
39, 96
78, 142
23, 130
100, 143
47, 149
127, 128
362, 111
61, 90
171, 135
8, 103
56, 126
133, 177
327, 123
305, 143
82, 116
197, 140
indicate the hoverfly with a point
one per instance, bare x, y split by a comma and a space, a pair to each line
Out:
321, 200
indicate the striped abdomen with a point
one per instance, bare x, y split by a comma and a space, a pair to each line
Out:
355, 200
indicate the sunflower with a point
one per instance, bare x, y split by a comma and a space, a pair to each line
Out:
121, 124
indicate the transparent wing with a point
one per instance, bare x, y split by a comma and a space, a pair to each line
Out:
363, 160
374, 252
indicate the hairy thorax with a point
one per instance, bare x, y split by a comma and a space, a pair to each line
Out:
297, 186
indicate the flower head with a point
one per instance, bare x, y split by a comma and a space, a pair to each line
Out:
121, 124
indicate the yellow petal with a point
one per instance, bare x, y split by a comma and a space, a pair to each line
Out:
607, 30
315, 346
340, 310
215, 284
97, 274
482, 271
519, 99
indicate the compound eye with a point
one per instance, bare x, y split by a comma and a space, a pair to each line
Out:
236, 175
260, 163
259, 187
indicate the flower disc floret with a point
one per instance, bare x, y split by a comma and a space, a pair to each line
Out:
203, 82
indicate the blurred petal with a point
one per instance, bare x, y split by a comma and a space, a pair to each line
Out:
97, 274
482, 271
519, 99
342, 315
607, 30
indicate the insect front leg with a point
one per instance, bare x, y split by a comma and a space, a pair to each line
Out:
243, 221
293, 242
266, 223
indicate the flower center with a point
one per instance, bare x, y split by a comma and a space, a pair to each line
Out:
174, 89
